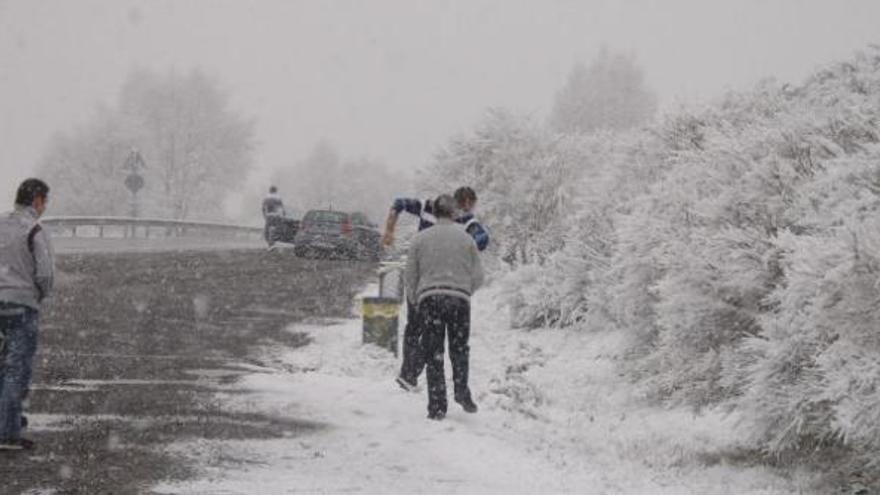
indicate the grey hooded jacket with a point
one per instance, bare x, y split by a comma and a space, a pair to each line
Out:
26, 258
443, 260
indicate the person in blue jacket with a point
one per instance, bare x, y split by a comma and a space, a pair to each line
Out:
466, 201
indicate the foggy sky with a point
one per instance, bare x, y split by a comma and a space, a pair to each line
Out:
391, 79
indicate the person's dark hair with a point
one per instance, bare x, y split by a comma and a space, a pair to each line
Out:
29, 190
463, 194
444, 206
273, 189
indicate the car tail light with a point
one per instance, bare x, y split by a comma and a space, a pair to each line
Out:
346, 227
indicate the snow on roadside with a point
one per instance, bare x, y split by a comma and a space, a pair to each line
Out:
554, 418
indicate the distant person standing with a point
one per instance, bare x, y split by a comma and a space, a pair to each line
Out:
273, 214
443, 270
26, 277
465, 202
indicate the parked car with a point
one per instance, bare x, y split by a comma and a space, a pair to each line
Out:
327, 233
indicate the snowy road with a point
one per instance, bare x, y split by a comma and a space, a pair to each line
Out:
135, 347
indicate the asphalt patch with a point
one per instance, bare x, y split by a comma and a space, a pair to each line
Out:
136, 346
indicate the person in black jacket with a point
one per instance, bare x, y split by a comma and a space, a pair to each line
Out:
273, 213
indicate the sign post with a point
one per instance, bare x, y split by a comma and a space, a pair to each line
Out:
134, 181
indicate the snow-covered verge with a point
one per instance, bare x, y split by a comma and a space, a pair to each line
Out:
555, 417
738, 245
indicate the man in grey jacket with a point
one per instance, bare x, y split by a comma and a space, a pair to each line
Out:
26, 277
442, 271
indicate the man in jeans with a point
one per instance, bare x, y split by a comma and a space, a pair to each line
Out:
442, 271
26, 275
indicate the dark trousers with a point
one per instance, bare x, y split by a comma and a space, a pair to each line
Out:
413, 360
440, 316
272, 230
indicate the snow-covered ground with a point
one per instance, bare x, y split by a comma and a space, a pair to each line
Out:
555, 417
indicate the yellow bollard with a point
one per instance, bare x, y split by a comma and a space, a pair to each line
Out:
380, 322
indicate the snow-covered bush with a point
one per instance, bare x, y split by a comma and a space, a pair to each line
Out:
738, 246
750, 269
523, 179
549, 200
613, 168
698, 257
813, 374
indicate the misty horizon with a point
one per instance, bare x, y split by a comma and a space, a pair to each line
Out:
390, 82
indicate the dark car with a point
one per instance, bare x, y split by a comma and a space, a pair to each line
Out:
329, 233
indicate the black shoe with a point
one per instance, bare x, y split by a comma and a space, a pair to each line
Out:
436, 415
20, 444
467, 404
24, 421
406, 384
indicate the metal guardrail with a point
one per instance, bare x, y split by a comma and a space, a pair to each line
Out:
130, 227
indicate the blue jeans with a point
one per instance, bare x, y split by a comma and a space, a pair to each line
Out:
18, 324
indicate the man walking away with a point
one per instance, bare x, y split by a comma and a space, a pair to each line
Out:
273, 213
26, 276
466, 201
442, 271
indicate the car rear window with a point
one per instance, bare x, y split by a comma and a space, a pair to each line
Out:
325, 217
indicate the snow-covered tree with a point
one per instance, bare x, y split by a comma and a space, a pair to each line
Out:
749, 268
196, 148
610, 93
312, 182
609, 169
738, 246
85, 167
523, 177
326, 179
